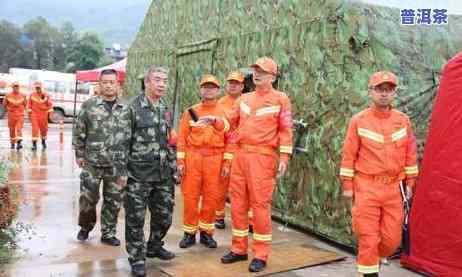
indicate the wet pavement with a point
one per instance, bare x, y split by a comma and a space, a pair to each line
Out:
49, 189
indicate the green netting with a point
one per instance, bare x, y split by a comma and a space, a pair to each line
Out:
326, 50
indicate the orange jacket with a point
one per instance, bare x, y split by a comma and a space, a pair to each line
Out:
227, 103
263, 119
193, 136
15, 103
379, 144
40, 103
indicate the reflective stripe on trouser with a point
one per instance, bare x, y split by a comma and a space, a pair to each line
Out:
90, 179
39, 126
223, 192
201, 180
377, 218
15, 124
159, 198
251, 185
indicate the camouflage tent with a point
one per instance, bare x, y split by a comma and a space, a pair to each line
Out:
326, 50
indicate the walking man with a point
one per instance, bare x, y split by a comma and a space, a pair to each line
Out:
15, 104
100, 124
40, 107
378, 153
151, 171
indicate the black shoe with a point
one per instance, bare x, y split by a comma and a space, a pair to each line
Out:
34, 146
19, 145
188, 240
82, 235
220, 224
139, 270
233, 257
111, 241
257, 265
207, 240
44, 144
12, 146
371, 275
251, 229
160, 252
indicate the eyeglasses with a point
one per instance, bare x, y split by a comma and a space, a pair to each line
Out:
383, 90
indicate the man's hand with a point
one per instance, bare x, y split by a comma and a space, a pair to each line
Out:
282, 169
409, 193
122, 182
348, 194
225, 171
80, 162
180, 171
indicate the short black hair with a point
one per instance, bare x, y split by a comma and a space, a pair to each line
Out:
109, 71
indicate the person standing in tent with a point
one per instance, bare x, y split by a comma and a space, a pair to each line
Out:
15, 104
98, 128
264, 122
234, 88
378, 153
40, 107
201, 144
151, 172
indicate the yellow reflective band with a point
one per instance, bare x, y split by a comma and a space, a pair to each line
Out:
195, 124
262, 237
227, 156
50, 110
222, 212
227, 126
285, 149
240, 233
206, 226
245, 108
368, 269
16, 102
371, 135
347, 172
250, 214
398, 135
268, 110
189, 229
35, 99
180, 155
411, 170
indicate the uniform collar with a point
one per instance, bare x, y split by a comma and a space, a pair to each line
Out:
209, 103
100, 101
145, 103
380, 114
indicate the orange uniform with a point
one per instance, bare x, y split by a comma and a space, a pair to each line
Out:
379, 151
39, 106
200, 149
15, 104
264, 124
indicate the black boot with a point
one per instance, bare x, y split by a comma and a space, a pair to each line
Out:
139, 270
250, 228
207, 240
188, 240
19, 145
82, 235
257, 265
371, 275
44, 144
220, 224
233, 257
34, 146
12, 146
156, 250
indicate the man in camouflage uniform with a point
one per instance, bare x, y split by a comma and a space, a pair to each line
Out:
151, 167
98, 129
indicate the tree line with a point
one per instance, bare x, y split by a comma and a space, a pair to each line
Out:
39, 45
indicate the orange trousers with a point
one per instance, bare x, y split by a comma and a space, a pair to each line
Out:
39, 126
377, 218
220, 212
202, 180
251, 186
15, 124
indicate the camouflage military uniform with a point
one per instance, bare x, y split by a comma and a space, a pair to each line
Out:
96, 131
151, 166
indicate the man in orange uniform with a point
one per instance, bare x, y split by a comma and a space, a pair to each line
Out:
264, 122
40, 106
234, 88
15, 104
200, 150
378, 153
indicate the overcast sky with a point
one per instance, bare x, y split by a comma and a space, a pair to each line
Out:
453, 6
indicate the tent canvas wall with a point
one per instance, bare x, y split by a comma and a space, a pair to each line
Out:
326, 50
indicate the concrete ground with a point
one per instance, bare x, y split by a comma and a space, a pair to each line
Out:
49, 188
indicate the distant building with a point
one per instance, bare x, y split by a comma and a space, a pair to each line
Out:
116, 52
